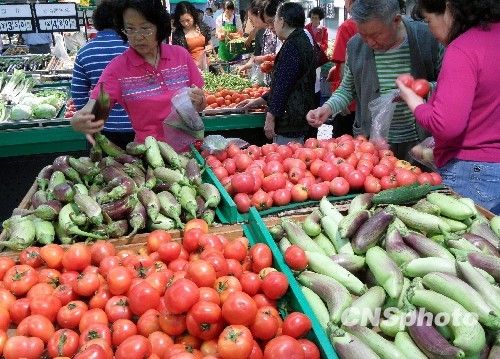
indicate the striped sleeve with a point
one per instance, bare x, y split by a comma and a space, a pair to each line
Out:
80, 85
344, 95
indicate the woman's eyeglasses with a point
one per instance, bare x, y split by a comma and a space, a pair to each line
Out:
141, 32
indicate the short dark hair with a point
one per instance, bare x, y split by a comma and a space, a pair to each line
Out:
271, 8
317, 11
292, 14
228, 5
103, 15
152, 10
209, 8
466, 13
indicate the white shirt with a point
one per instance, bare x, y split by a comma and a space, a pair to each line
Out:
317, 84
222, 17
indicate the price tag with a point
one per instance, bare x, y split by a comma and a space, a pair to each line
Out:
56, 17
16, 18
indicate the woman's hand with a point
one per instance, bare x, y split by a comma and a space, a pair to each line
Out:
250, 104
269, 126
197, 97
319, 116
84, 121
409, 96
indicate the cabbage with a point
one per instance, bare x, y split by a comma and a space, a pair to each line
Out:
52, 100
20, 112
44, 110
30, 101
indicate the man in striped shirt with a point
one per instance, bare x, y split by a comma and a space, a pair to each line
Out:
89, 64
387, 45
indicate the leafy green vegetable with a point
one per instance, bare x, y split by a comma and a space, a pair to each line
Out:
225, 81
20, 112
44, 110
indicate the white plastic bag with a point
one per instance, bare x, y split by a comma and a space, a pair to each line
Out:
382, 111
182, 104
217, 143
424, 153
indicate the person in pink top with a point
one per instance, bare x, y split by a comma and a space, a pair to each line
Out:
463, 113
147, 75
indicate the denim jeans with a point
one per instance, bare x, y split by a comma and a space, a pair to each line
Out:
479, 181
282, 140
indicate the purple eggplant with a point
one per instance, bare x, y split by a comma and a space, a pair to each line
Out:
481, 228
481, 243
48, 210
108, 161
120, 187
350, 223
397, 249
111, 172
135, 149
133, 170
193, 172
140, 181
117, 229
371, 231
351, 262
432, 343
60, 163
85, 169
161, 186
95, 153
348, 346
43, 177
125, 158
137, 219
119, 209
90, 207
38, 198
201, 206
426, 247
361, 202
486, 262
64, 192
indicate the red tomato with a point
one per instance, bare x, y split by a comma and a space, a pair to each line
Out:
42, 289
339, 186
36, 326
306, 155
160, 343
250, 283
134, 347
183, 288
64, 342
23, 347
235, 342
201, 272
424, 178
100, 298
372, 185
121, 330
406, 79
142, 297
47, 306
5, 264
345, 168
92, 316
230, 166
117, 308
275, 285
148, 322
52, 255
100, 250
242, 161
387, 182
262, 301
273, 182
296, 325
421, 87
317, 191
64, 293
209, 295
226, 285
261, 256
109, 263
172, 324
296, 258
436, 178
261, 200
239, 308
20, 278
95, 331
232, 150
31, 256
310, 349
191, 239
405, 177
93, 351
77, 257
380, 170
69, 316
266, 324
282, 197
299, 193
356, 180
86, 284
328, 172
344, 149
4, 320
283, 346
157, 238
19, 309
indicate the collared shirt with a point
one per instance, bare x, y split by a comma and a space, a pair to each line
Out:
89, 65
36, 38
146, 92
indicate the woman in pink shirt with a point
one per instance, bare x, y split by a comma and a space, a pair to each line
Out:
147, 75
463, 113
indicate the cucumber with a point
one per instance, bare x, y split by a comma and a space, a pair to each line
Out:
402, 195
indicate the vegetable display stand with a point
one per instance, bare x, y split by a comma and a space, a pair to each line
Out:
228, 213
247, 126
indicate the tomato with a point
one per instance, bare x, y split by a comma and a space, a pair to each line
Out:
69, 316
387, 182
119, 280
172, 324
356, 179
250, 283
64, 293
344, 149
191, 239
40, 290
282, 197
160, 343
421, 87
380, 170
243, 182
31, 256
157, 238
201, 272
3, 340
405, 177
19, 309
296, 325
226, 285
296, 258
261, 256
6, 298
299, 193
134, 347
339, 186
239, 308
310, 349
283, 346
36, 326
242, 161
52, 255
261, 200
436, 178
273, 182
95, 331
406, 79
203, 330
266, 324
256, 352
100, 298
235, 342
76, 257
47, 306
142, 297
372, 184
109, 263
92, 316
148, 322
424, 178
117, 308
4, 320
93, 351
5, 264
86, 284
275, 285
159, 280
20, 278
317, 191
183, 288
23, 347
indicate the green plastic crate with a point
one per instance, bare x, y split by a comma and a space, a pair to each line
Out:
256, 232
227, 210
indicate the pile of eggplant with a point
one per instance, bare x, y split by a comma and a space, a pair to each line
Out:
400, 266
112, 193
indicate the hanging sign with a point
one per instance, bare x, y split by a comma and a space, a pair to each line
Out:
56, 17
16, 18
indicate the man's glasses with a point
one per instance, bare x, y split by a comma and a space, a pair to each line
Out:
141, 32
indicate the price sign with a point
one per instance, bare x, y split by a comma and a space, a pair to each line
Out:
16, 18
56, 17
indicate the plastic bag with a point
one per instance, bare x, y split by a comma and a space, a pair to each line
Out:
59, 49
382, 111
217, 143
183, 125
423, 153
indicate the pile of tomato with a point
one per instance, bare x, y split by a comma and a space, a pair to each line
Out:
202, 296
230, 98
70, 108
274, 175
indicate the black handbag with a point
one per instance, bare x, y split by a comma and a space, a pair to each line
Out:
320, 56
